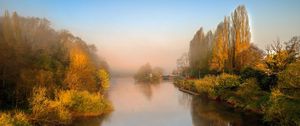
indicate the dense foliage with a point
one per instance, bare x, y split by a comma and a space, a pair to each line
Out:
35, 56
227, 49
266, 82
14, 119
284, 103
67, 104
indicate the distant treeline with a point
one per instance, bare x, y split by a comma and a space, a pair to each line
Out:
147, 74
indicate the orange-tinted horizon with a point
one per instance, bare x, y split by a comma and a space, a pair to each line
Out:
127, 56
130, 33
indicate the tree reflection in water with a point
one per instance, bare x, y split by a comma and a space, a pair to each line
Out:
137, 104
184, 99
147, 89
206, 112
90, 121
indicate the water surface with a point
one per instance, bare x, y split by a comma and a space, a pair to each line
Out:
164, 105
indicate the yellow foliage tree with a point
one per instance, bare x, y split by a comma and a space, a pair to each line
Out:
241, 36
220, 51
104, 79
80, 75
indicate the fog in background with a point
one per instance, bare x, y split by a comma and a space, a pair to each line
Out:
132, 33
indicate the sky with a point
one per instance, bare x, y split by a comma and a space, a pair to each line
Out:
131, 33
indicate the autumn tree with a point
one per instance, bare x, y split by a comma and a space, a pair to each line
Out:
280, 55
241, 36
13, 54
183, 65
282, 63
199, 53
144, 72
157, 73
32, 54
195, 51
227, 43
254, 56
225, 50
147, 74
220, 49
103, 80
80, 72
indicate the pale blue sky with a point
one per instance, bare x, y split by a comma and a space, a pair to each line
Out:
130, 33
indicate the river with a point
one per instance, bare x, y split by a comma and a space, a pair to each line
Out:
164, 105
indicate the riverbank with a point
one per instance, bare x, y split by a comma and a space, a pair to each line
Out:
244, 95
221, 88
217, 98
162, 104
67, 105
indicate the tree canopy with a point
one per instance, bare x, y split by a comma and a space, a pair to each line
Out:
33, 54
147, 74
227, 49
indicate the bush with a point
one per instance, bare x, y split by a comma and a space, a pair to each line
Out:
185, 84
282, 109
250, 96
228, 81
225, 84
45, 110
284, 104
206, 85
67, 103
213, 86
249, 89
104, 79
83, 102
265, 82
16, 119
289, 80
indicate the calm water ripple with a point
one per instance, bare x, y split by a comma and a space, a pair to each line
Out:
164, 105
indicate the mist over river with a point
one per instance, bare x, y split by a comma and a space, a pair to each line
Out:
164, 105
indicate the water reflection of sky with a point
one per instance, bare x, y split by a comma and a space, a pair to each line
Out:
146, 104
164, 105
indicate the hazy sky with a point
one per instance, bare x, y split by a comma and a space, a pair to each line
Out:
131, 33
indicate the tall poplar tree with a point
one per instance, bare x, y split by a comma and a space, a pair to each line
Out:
241, 36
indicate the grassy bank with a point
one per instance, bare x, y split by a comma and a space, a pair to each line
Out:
60, 110
277, 107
